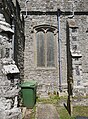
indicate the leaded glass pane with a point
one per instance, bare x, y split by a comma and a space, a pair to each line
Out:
50, 49
40, 49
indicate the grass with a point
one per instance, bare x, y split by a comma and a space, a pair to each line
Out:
80, 111
77, 111
62, 112
52, 100
56, 100
32, 115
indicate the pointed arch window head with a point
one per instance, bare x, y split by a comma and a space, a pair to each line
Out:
45, 46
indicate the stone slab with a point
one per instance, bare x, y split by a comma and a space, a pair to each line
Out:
46, 111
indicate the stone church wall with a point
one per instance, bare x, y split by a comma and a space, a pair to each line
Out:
38, 13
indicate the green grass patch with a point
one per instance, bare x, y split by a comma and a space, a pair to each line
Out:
63, 113
51, 100
77, 111
80, 111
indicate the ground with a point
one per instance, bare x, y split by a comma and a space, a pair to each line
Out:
46, 111
53, 108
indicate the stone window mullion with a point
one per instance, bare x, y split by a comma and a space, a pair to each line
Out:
45, 49
45, 46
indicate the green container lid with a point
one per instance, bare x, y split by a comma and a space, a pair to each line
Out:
28, 84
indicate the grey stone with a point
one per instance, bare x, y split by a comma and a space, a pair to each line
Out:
14, 113
24, 55
2, 114
46, 111
9, 90
49, 76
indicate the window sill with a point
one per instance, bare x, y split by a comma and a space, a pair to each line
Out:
46, 68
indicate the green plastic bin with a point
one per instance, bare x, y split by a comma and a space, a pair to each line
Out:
28, 90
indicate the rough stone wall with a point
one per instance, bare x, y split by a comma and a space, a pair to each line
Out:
9, 89
11, 11
9, 73
68, 8
19, 44
48, 79
83, 24
45, 77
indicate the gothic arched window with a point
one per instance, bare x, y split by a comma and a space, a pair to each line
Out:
45, 46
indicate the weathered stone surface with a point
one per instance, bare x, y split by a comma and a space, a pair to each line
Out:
2, 114
9, 71
46, 111
51, 77
24, 55
15, 113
